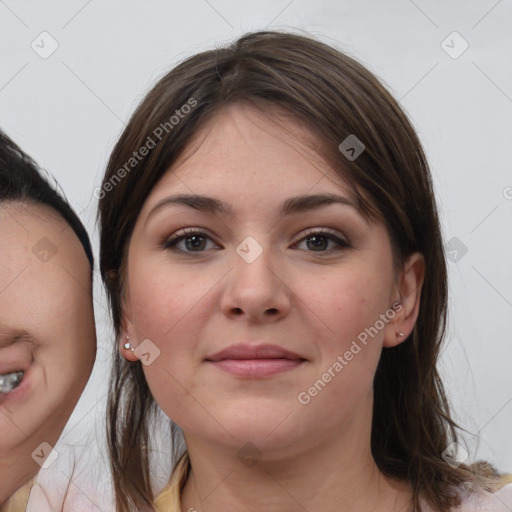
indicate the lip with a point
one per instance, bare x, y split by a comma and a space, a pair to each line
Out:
245, 351
255, 361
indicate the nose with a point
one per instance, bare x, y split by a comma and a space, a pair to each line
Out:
255, 289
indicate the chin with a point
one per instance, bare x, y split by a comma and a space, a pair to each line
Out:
262, 429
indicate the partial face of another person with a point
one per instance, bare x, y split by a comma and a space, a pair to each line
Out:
206, 288
47, 334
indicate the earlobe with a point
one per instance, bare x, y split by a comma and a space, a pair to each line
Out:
409, 288
126, 349
393, 336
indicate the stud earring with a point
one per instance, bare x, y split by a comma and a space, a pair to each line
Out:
399, 334
128, 345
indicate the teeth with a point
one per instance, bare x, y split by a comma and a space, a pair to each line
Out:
10, 381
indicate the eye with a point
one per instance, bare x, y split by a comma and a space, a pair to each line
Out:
10, 381
318, 240
195, 240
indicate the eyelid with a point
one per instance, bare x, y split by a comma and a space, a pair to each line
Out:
323, 231
18, 356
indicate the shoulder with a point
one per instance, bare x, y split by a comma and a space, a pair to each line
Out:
498, 501
77, 480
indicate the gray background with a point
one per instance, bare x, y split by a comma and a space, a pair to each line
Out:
67, 110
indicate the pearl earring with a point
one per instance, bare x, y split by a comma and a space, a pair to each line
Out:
128, 345
400, 334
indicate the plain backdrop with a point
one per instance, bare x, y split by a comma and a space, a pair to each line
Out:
448, 63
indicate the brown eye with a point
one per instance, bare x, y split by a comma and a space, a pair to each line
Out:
194, 241
318, 241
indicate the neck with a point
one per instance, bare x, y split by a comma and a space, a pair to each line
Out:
332, 475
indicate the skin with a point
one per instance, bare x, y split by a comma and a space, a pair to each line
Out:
312, 301
50, 302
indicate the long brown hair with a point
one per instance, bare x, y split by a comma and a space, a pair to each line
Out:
334, 97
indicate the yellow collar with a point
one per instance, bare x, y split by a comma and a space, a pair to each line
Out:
18, 501
169, 500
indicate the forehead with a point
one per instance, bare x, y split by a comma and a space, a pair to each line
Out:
36, 230
21, 214
44, 273
269, 154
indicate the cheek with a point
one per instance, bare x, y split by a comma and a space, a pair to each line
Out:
348, 354
63, 324
163, 309
349, 305
172, 308
345, 305
165, 300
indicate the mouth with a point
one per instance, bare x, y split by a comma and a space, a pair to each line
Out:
255, 361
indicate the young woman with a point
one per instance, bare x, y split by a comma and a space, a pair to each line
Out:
271, 248
47, 333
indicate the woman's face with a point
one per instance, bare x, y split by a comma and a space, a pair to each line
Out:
46, 330
310, 277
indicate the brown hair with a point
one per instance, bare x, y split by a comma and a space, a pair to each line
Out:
334, 96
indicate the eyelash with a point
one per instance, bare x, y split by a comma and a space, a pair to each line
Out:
185, 233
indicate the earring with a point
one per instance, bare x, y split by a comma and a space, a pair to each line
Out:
399, 334
127, 345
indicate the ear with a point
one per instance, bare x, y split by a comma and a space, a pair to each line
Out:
407, 294
127, 332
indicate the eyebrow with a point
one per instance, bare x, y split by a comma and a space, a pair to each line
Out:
10, 336
293, 205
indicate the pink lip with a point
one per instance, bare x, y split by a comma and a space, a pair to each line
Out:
245, 351
255, 360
